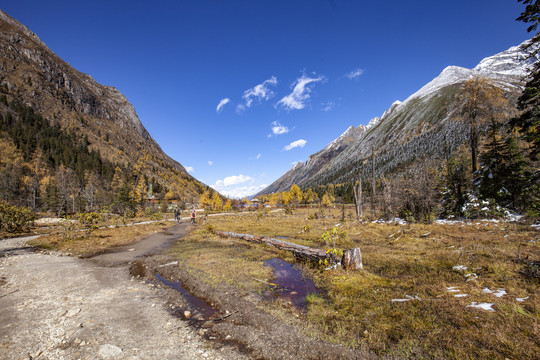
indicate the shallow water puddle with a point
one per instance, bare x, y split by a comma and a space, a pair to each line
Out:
195, 304
289, 284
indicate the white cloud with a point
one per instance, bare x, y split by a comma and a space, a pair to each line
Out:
190, 169
210, 163
300, 94
258, 156
233, 180
355, 74
328, 106
238, 186
222, 103
278, 129
298, 143
241, 191
259, 92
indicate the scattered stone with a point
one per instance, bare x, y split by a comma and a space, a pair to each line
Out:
73, 312
187, 314
169, 264
109, 351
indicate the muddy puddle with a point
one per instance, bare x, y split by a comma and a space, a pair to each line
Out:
289, 284
200, 309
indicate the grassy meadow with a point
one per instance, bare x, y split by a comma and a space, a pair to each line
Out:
99, 236
419, 291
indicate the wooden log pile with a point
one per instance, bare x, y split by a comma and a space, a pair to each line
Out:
300, 251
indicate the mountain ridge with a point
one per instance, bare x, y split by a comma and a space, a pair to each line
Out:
409, 129
32, 74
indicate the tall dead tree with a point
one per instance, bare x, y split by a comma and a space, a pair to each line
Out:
387, 198
373, 183
358, 198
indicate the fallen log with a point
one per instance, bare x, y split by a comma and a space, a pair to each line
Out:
299, 251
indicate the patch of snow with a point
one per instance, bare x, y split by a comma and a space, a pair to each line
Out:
407, 298
461, 295
373, 122
487, 291
500, 293
471, 276
459, 268
522, 299
448, 222
452, 289
483, 306
49, 221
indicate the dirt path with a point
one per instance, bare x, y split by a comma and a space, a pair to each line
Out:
63, 307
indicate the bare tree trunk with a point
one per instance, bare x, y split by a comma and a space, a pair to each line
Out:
358, 198
387, 198
373, 179
474, 145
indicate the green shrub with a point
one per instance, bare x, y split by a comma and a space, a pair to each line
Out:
15, 219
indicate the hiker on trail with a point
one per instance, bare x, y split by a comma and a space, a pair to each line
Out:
193, 214
176, 214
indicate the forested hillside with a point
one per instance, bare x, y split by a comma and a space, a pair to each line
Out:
69, 144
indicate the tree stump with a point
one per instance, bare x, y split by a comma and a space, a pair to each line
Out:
352, 259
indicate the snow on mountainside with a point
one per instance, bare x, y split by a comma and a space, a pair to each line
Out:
507, 68
417, 127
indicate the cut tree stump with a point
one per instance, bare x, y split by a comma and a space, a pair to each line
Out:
352, 259
300, 251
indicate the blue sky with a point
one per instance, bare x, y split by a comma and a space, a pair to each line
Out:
237, 91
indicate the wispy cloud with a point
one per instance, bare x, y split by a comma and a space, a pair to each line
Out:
355, 74
222, 103
298, 143
210, 163
278, 129
300, 94
190, 169
328, 106
258, 156
258, 92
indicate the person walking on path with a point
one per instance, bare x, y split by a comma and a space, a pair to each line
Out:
193, 214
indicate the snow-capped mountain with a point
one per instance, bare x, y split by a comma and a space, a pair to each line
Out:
416, 128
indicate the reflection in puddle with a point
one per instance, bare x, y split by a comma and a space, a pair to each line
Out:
290, 285
195, 304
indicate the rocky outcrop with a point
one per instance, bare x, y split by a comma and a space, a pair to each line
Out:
31, 73
20, 48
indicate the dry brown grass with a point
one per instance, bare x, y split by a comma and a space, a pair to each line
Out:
413, 260
83, 243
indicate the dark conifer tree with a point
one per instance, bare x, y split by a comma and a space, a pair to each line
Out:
528, 123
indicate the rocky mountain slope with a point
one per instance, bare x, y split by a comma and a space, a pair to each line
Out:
417, 128
33, 75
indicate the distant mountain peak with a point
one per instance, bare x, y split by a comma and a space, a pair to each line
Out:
415, 128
